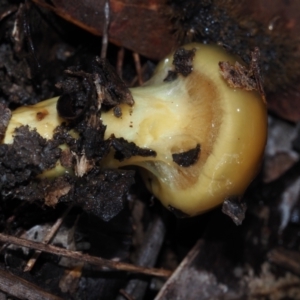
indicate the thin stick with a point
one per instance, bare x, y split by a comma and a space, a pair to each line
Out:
22, 289
120, 61
135, 79
126, 295
174, 280
138, 68
31, 262
105, 29
8, 12
97, 261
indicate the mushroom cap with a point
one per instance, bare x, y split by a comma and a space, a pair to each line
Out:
230, 125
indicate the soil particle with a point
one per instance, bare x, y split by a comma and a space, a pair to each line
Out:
96, 192
235, 208
27, 157
187, 158
125, 149
183, 61
117, 111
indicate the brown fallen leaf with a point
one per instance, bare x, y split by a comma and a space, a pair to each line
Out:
141, 26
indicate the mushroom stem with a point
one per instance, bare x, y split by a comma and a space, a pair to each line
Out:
209, 138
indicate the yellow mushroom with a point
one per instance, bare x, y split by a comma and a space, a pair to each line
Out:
221, 130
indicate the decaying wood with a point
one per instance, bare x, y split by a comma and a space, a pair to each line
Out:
104, 264
22, 289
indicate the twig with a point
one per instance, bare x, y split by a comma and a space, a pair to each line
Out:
135, 79
188, 260
47, 239
105, 29
138, 68
192, 281
126, 295
97, 261
22, 289
8, 12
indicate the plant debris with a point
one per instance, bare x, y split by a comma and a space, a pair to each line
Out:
112, 221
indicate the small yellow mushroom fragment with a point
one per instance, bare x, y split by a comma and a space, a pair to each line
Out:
230, 125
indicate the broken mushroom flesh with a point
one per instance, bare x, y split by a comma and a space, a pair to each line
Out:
208, 137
